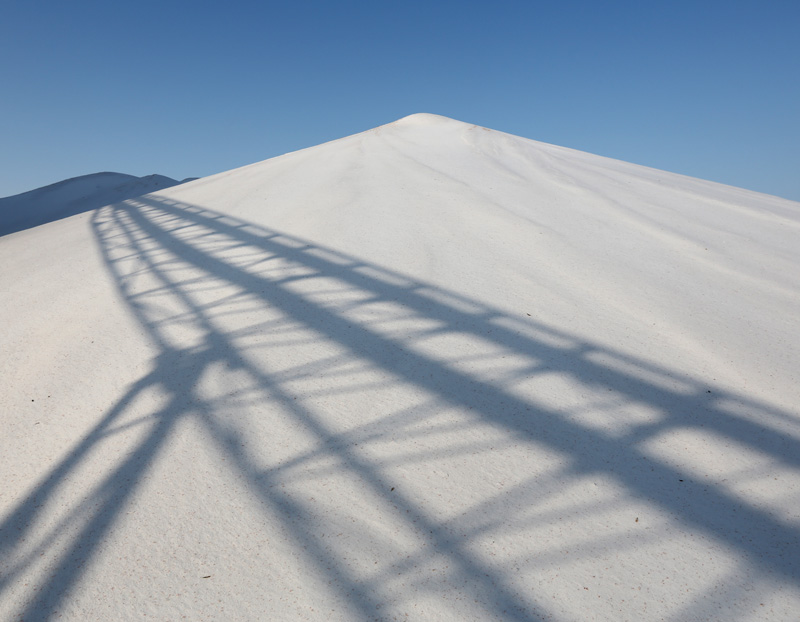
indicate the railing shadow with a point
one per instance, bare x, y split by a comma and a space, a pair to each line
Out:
304, 333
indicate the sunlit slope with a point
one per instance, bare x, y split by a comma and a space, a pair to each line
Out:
429, 371
533, 227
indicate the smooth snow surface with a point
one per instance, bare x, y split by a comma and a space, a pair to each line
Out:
73, 196
426, 372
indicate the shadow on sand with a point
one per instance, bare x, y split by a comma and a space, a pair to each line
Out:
214, 293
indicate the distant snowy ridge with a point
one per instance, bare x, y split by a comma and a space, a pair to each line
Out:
73, 196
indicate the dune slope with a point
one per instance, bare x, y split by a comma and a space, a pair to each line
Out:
73, 196
430, 371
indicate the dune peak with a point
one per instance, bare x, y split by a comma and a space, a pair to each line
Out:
425, 118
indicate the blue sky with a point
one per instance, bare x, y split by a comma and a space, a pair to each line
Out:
708, 89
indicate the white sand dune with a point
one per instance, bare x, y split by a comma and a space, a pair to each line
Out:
430, 371
73, 196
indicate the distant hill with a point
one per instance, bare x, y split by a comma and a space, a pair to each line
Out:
73, 196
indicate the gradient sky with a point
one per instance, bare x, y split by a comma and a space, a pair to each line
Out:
704, 88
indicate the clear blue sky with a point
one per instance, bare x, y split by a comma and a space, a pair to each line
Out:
705, 88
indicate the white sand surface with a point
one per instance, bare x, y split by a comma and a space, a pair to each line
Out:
426, 372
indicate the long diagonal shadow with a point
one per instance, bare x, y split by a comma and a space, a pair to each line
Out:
209, 267
769, 541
